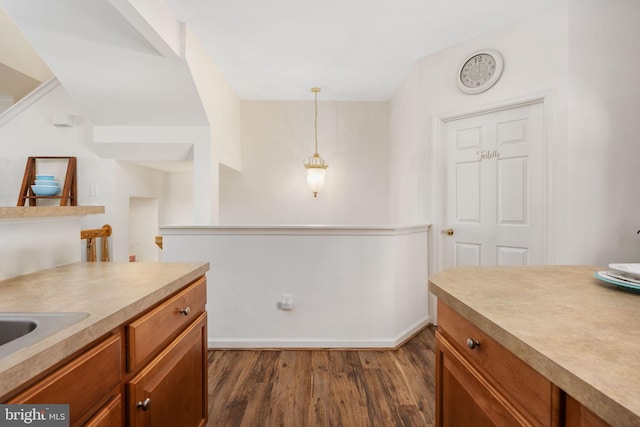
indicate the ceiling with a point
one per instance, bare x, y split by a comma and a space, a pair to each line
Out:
21, 68
110, 70
352, 49
355, 50
15, 84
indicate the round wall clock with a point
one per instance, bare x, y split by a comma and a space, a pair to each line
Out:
480, 71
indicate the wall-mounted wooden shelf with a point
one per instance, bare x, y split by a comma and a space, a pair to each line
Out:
18, 212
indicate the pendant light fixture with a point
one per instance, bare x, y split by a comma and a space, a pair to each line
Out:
315, 164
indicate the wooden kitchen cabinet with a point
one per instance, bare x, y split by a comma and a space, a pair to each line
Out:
464, 396
167, 358
147, 334
480, 383
172, 389
151, 371
110, 415
86, 383
576, 415
524, 309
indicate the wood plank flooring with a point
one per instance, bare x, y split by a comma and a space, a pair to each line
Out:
308, 388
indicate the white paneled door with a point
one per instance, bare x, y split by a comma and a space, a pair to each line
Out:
494, 209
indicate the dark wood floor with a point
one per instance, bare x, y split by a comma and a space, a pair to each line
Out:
304, 388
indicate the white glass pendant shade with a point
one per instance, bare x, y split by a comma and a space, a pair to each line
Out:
315, 179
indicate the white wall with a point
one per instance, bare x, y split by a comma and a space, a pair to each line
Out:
132, 181
180, 194
411, 272
31, 133
571, 52
221, 104
353, 137
29, 245
351, 286
603, 156
19, 54
405, 145
430, 92
222, 108
5, 102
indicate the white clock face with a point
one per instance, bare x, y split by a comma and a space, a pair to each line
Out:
481, 71
478, 70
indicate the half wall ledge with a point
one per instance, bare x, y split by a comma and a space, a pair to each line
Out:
293, 229
351, 286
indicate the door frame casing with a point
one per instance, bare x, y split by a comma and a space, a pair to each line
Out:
440, 168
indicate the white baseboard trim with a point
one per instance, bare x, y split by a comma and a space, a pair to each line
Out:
314, 343
412, 330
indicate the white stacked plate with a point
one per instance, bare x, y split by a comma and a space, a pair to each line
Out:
622, 275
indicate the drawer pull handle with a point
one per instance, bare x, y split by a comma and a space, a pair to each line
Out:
144, 404
472, 344
186, 311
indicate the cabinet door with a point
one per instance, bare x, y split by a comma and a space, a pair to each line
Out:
172, 389
109, 416
464, 397
84, 383
530, 392
579, 416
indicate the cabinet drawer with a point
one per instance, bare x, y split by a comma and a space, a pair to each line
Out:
531, 392
109, 416
463, 395
83, 383
146, 335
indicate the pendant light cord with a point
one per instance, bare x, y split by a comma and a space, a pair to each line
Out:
316, 119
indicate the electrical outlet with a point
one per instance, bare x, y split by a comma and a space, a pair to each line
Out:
286, 301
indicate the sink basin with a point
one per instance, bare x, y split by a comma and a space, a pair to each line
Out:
19, 330
11, 329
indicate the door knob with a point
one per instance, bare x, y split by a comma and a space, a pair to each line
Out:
449, 231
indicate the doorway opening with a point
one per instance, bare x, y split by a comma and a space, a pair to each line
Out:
143, 227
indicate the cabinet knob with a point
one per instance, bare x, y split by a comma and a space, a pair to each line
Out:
472, 344
144, 404
186, 311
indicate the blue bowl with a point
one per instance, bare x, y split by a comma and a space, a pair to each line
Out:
47, 182
45, 177
46, 190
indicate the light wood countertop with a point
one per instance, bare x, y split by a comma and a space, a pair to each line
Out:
112, 293
19, 212
579, 332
